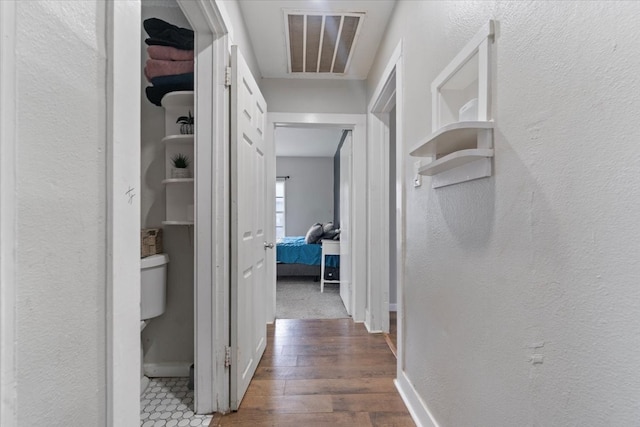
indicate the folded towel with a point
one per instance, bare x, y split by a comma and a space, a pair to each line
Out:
159, 67
155, 93
165, 34
179, 79
169, 53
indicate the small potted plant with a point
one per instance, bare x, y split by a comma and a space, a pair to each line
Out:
186, 124
180, 166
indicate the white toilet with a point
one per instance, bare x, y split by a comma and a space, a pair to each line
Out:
153, 291
153, 285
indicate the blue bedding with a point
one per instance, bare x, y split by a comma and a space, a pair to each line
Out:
293, 250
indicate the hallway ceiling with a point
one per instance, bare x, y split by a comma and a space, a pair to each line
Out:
268, 24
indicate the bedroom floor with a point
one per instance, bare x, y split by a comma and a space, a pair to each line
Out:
300, 298
319, 373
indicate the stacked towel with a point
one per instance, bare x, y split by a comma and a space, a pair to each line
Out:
170, 64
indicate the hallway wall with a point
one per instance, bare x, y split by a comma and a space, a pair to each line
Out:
61, 176
521, 297
315, 96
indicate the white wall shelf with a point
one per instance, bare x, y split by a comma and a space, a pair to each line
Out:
178, 99
177, 222
461, 143
450, 138
454, 160
178, 139
169, 181
179, 192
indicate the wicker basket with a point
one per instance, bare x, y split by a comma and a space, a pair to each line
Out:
150, 242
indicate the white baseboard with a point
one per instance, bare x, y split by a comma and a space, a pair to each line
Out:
393, 307
177, 369
416, 406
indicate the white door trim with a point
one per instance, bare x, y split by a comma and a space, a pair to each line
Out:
123, 311
356, 122
123, 213
388, 93
8, 397
211, 263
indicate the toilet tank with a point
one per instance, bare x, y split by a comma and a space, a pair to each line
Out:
153, 285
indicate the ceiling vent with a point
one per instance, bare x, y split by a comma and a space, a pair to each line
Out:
320, 42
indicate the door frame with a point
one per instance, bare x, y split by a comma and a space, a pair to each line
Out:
209, 21
8, 227
388, 94
357, 123
123, 212
211, 295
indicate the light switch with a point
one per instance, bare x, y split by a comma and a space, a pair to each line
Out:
417, 178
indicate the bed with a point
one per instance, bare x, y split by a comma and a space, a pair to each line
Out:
294, 257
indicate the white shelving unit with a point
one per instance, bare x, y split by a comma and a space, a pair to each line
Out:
461, 149
179, 192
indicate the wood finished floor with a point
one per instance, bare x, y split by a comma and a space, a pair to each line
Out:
392, 336
322, 373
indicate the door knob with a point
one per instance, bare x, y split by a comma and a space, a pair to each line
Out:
268, 245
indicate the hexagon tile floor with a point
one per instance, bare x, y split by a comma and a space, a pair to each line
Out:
167, 402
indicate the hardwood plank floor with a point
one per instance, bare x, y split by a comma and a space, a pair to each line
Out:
322, 373
392, 336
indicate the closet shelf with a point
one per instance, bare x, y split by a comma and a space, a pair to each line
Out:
178, 99
455, 159
177, 222
451, 138
178, 139
178, 181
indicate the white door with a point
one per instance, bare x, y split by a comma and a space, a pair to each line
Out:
345, 225
248, 225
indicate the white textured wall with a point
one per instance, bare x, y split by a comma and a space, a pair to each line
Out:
315, 96
168, 338
238, 34
61, 197
541, 258
309, 192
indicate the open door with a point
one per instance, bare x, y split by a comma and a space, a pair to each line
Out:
248, 227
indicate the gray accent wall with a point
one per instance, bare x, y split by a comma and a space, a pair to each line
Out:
309, 191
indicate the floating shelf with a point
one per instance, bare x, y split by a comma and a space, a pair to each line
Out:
178, 181
178, 139
177, 222
178, 99
454, 160
461, 145
450, 138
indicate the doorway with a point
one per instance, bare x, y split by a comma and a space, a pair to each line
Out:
356, 124
310, 226
386, 207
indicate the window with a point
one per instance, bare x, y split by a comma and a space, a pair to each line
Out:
280, 191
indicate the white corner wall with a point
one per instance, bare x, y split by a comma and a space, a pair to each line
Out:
60, 349
238, 35
521, 296
309, 192
315, 96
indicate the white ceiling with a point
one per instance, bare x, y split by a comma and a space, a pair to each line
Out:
307, 142
265, 23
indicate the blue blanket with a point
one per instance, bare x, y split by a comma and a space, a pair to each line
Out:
293, 250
